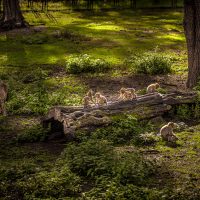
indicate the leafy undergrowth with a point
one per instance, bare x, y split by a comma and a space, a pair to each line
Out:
35, 90
125, 160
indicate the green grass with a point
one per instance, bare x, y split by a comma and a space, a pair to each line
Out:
120, 33
102, 165
31, 61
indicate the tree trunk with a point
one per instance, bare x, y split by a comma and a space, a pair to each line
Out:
69, 119
12, 15
192, 32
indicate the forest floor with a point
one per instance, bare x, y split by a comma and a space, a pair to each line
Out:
33, 63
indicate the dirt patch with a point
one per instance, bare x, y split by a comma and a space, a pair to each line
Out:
111, 85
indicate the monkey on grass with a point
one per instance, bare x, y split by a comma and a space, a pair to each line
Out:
167, 133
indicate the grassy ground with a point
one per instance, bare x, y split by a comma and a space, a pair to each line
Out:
121, 33
32, 62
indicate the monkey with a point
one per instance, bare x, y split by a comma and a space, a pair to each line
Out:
90, 94
86, 102
132, 90
152, 88
100, 100
122, 91
127, 94
167, 132
3, 97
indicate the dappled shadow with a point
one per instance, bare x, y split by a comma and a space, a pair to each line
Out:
114, 36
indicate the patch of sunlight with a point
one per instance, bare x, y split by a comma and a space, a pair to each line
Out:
3, 58
173, 37
3, 38
53, 59
98, 26
113, 14
172, 27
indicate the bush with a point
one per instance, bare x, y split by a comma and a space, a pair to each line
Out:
129, 191
86, 64
59, 182
91, 158
123, 130
147, 139
36, 96
150, 63
27, 99
98, 158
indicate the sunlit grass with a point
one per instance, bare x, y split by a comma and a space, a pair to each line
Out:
113, 36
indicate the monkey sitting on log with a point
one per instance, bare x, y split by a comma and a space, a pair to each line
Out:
127, 94
167, 132
100, 100
3, 97
152, 88
86, 102
90, 94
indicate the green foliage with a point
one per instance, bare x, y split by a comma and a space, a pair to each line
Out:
99, 161
32, 91
86, 64
184, 111
57, 183
35, 39
142, 92
91, 158
34, 134
162, 90
129, 191
150, 63
27, 99
147, 139
123, 130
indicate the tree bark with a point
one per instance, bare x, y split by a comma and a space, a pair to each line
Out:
69, 119
12, 15
192, 33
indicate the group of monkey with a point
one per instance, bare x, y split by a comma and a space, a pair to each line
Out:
125, 94
90, 99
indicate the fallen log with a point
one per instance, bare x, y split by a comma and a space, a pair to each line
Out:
68, 119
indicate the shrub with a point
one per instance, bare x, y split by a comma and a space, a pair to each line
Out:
90, 158
150, 63
98, 158
123, 130
86, 64
184, 111
27, 99
129, 191
147, 139
59, 182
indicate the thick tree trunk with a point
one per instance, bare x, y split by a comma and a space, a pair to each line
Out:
12, 15
192, 32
